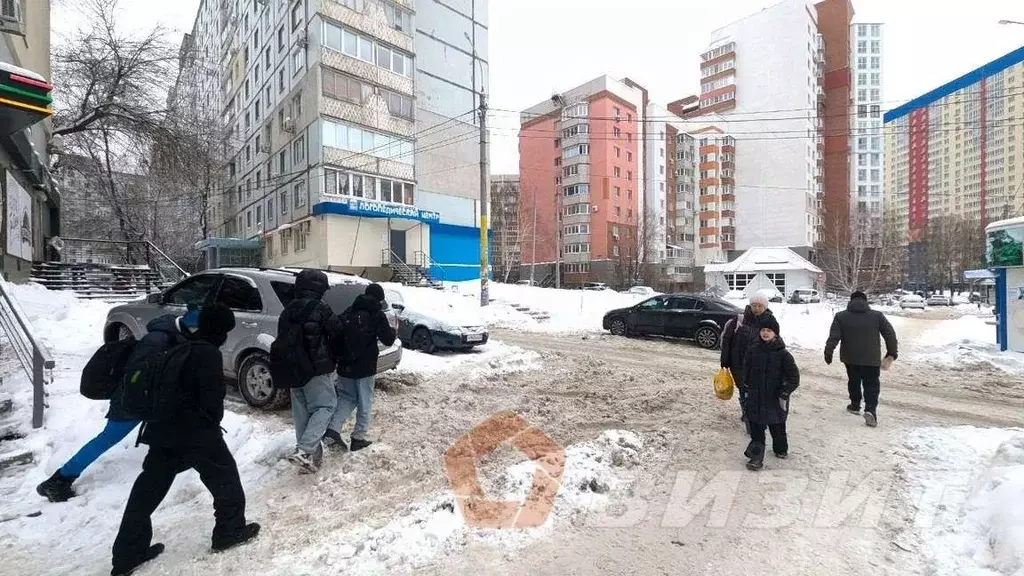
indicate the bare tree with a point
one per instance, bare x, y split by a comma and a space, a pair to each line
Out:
635, 262
858, 258
954, 245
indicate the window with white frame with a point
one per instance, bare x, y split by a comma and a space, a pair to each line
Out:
577, 248
735, 281
577, 150
398, 18
286, 237
574, 229
778, 279
300, 194
299, 150
301, 236
342, 183
576, 209
367, 49
356, 139
573, 170
576, 190
297, 15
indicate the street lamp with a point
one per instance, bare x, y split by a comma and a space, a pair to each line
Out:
1006, 22
559, 103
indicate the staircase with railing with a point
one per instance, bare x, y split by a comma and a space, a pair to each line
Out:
31, 354
414, 274
109, 270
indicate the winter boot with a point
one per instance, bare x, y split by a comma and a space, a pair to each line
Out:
357, 444
870, 419
57, 488
129, 568
304, 461
333, 442
756, 461
853, 409
245, 534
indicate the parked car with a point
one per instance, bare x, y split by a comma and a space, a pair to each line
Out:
674, 315
257, 296
804, 296
596, 286
939, 300
645, 291
912, 301
420, 330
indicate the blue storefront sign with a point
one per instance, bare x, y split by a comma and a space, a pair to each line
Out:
375, 209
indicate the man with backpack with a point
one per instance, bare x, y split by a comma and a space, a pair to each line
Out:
103, 376
178, 393
363, 324
301, 359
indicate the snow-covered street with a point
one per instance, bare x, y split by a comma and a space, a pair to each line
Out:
653, 480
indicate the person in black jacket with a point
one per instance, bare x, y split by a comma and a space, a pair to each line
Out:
770, 376
737, 336
364, 323
161, 334
859, 328
193, 439
313, 404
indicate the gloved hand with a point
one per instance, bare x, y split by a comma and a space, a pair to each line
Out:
828, 358
784, 404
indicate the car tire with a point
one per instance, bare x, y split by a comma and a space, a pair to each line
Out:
422, 340
256, 386
706, 337
618, 327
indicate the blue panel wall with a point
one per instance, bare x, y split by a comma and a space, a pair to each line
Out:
456, 251
1002, 318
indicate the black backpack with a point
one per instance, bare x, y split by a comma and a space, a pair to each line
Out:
290, 364
359, 334
104, 372
152, 388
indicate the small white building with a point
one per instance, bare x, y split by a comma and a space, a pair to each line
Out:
760, 268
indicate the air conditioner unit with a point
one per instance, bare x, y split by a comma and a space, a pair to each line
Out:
288, 125
302, 41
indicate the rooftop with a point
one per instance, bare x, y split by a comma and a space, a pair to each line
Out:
765, 260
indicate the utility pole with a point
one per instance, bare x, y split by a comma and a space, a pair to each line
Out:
485, 191
559, 106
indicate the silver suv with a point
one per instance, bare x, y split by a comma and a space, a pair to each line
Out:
257, 296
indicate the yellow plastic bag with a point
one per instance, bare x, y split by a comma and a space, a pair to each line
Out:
724, 384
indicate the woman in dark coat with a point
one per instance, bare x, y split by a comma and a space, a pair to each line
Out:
737, 337
770, 376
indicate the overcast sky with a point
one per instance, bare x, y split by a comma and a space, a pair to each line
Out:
538, 47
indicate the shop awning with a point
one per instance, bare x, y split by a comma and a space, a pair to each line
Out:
24, 98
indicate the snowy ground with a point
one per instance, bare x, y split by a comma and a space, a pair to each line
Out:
639, 425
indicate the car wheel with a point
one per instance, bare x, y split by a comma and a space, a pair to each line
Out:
618, 327
423, 341
706, 337
256, 386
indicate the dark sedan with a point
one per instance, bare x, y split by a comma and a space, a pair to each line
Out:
697, 318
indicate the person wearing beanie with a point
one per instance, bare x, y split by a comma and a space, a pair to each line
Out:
364, 324
161, 334
737, 336
858, 331
192, 439
770, 376
303, 361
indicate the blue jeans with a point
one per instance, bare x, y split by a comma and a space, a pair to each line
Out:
113, 432
312, 407
354, 395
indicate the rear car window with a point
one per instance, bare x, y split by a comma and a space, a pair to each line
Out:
285, 291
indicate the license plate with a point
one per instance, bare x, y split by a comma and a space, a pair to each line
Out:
474, 338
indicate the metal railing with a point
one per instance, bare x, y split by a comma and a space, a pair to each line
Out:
33, 355
120, 253
390, 259
423, 260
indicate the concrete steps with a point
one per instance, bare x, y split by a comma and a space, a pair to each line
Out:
98, 281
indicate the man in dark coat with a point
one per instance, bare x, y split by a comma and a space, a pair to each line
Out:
161, 334
770, 376
859, 328
312, 404
192, 439
737, 336
364, 323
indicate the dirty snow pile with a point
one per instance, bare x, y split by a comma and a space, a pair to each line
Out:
968, 484
491, 359
594, 471
965, 342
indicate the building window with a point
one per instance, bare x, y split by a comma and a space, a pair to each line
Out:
300, 194
340, 183
398, 19
777, 278
347, 137
286, 237
575, 229
282, 159
299, 150
280, 81
283, 201
297, 15
576, 190
734, 281
629, 156
399, 105
298, 60
280, 39
577, 248
345, 87
362, 47
617, 172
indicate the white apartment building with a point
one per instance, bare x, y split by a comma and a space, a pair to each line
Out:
329, 103
763, 75
867, 148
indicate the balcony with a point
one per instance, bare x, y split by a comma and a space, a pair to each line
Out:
580, 138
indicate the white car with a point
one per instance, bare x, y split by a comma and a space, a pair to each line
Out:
940, 300
805, 296
645, 291
912, 301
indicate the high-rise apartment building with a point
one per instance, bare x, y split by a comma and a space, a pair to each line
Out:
506, 231
867, 160
581, 168
349, 124
31, 201
763, 76
957, 151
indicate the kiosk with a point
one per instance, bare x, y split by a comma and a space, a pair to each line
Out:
1004, 247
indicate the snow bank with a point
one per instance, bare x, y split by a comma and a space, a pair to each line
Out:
966, 342
969, 483
432, 527
493, 358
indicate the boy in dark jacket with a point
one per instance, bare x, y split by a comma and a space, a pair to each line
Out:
364, 323
161, 334
770, 376
193, 439
858, 328
737, 337
313, 404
